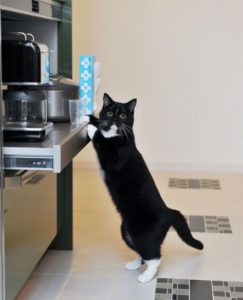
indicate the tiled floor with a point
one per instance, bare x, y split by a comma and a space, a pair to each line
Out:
95, 269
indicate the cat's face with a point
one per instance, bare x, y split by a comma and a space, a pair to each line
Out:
116, 118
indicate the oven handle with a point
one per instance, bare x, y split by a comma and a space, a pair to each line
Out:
15, 179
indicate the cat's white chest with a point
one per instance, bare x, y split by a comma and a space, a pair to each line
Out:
112, 132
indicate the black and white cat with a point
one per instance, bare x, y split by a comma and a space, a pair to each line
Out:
145, 217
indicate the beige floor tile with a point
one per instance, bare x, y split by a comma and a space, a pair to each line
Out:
107, 285
43, 287
57, 262
95, 269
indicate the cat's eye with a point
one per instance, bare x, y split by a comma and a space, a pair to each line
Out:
123, 116
109, 113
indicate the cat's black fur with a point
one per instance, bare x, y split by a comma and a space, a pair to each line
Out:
145, 217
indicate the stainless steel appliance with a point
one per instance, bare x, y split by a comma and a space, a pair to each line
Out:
31, 132
30, 223
25, 114
24, 106
58, 91
32, 200
24, 61
2, 248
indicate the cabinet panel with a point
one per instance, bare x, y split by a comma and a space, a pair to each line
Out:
30, 226
65, 41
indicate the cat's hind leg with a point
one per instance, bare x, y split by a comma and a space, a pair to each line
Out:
136, 263
148, 247
127, 237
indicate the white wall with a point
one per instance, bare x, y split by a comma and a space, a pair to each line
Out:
183, 60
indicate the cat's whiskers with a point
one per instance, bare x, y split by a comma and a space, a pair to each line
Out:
126, 131
123, 132
128, 127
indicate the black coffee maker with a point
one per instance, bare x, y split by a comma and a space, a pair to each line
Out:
25, 64
24, 61
25, 114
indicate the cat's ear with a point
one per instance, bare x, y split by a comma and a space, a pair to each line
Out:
131, 105
106, 100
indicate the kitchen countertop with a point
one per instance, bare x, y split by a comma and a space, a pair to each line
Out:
59, 147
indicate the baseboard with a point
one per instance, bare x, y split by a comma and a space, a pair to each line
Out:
173, 168
202, 168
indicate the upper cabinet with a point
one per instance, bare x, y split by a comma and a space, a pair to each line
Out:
49, 21
46, 9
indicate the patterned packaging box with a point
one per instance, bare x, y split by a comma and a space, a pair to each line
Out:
86, 83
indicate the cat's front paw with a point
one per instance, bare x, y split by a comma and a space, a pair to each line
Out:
91, 130
90, 119
85, 119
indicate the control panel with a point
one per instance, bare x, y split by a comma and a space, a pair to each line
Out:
28, 163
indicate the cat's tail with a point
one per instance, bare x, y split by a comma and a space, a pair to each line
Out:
182, 229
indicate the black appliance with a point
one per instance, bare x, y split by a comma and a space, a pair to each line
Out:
24, 61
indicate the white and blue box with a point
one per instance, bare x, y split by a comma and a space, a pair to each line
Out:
86, 83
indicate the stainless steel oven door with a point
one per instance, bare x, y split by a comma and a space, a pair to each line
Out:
2, 284
30, 223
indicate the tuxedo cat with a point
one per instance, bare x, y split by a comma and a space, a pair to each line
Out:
145, 217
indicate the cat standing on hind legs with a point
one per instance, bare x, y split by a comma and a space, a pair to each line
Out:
145, 217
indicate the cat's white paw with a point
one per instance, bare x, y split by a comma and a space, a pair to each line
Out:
133, 265
150, 272
84, 119
144, 278
91, 130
